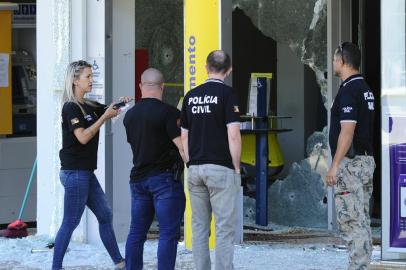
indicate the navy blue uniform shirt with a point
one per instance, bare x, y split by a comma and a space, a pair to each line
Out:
151, 125
206, 112
354, 103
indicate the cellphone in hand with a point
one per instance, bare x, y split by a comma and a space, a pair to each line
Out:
119, 105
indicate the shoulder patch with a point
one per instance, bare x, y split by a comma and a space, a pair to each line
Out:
236, 109
347, 109
74, 121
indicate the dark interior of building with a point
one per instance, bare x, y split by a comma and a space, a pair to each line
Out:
252, 52
370, 34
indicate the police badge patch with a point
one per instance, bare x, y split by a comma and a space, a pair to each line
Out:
74, 121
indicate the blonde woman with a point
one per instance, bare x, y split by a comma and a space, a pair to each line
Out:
81, 121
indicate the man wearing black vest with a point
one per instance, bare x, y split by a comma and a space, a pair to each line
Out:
212, 142
154, 135
352, 168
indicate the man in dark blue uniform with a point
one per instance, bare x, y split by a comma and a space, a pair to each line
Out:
154, 136
210, 122
352, 168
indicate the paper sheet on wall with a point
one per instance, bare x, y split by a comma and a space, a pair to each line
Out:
252, 97
98, 84
4, 59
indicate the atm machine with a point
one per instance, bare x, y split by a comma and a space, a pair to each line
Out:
18, 146
397, 156
261, 155
394, 181
24, 76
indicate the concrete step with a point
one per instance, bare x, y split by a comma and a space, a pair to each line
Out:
388, 265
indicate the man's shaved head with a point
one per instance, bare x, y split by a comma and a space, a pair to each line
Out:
151, 77
152, 84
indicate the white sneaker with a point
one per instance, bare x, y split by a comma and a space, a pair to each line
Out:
120, 266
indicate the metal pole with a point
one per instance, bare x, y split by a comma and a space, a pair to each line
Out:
262, 154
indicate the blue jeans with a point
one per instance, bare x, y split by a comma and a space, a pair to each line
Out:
82, 188
163, 195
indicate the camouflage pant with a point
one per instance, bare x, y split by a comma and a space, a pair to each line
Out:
352, 194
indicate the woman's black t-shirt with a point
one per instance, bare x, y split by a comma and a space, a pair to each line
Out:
74, 155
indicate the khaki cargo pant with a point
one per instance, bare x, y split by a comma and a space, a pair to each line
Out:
352, 195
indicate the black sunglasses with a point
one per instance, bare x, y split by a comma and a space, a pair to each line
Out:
80, 63
341, 50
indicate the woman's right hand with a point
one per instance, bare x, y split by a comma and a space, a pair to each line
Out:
110, 112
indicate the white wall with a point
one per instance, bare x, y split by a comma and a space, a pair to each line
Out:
87, 40
109, 37
46, 134
123, 85
290, 97
95, 49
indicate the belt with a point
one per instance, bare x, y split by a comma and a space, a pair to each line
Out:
363, 153
343, 193
352, 154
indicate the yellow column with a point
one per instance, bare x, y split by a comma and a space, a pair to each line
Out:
6, 126
201, 36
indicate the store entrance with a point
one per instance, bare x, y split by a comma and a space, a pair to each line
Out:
366, 34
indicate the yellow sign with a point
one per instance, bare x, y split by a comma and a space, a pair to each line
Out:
5, 85
261, 75
201, 36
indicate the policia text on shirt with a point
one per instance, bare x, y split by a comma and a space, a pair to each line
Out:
200, 103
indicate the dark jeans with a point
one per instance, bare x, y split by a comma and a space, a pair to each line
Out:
82, 188
163, 195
